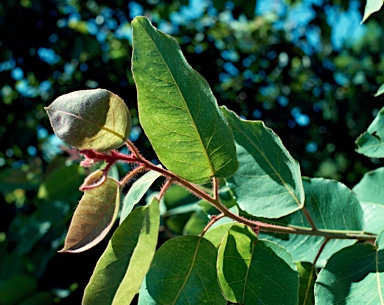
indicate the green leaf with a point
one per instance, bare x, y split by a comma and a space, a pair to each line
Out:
332, 206
245, 267
120, 270
371, 7
307, 282
177, 109
354, 275
371, 142
176, 196
93, 217
90, 119
196, 223
183, 271
268, 181
380, 91
137, 191
15, 289
370, 192
216, 234
62, 183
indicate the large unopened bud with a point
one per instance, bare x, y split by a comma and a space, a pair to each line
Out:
90, 119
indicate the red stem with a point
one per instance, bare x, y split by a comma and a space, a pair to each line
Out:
215, 200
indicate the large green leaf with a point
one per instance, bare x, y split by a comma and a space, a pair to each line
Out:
124, 263
371, 7
256, 271
332, 206
371, 142
177, 109
90, 119
137, 191
268, 181
370, 192
94, 217
354, 275
183, 271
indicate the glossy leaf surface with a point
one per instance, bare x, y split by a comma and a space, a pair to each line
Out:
370, 192
354, 275
137, 191
124, 263
177, 109
93, 217
371, 142
332, 206
268, 181
183, 271
90, 119
266, 274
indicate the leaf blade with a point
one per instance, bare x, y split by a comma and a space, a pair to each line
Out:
189, 278
380, 91
122, 267
268, 181
137, 191
93, 217
370, 192
371, 7
307, 282
324, 199
176, 103
353, 275
371, 142
243, 283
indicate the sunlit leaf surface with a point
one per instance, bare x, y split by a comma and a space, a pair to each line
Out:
137, 191
371, 7
177, 109
124, 263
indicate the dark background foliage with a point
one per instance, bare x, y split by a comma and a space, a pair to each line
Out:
307, 68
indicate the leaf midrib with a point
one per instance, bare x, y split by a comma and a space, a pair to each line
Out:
189, 271
90, 122
290, 191
183, 98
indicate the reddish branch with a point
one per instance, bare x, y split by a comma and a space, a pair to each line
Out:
92, 157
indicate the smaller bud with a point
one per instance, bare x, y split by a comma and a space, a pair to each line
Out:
94, 180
